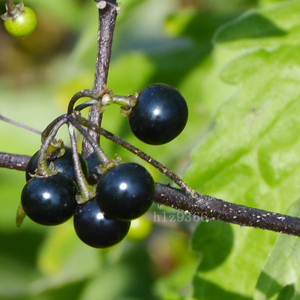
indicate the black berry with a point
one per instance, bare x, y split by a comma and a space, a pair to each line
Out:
159, 115
93, 163
64, 164
95, 229
125, 192
49, 200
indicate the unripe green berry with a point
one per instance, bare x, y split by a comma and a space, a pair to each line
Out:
23, 25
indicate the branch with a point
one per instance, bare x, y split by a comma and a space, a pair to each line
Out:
200, 205
211, 208
206, 206
13, 161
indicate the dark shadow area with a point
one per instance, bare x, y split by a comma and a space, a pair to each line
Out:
68, 291
215, 241
207, 290
139, 276
288, 293
270, 287
23, 246
175, 65
254, 26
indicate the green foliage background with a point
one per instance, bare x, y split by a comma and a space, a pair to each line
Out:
237, 64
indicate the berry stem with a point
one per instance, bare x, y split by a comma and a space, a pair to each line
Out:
85, 105
49, 128
98, 150
126, 102
12, 11
10, 7
42, 168
85, 193
139, 153
94, 94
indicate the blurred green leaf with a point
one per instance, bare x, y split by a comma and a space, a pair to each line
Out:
62, 255
277, 24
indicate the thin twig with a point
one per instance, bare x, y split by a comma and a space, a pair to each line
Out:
83, 93
96, 148
19, 124
49, 128
107, 20
139, 153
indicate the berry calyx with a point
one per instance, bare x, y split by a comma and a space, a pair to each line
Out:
95, 228
49, 200
160, 114
63, 163
21, 21
126, 191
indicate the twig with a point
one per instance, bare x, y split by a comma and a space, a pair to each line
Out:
96, 148
139, 153
107, 20
212, 208
14, 161
203, 206
19, 124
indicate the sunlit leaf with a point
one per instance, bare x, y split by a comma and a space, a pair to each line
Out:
279, 279
251, 155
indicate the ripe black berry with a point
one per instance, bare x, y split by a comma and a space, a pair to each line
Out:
49, 200
159, 115
64, 164
95, 229
93, 163
125, 192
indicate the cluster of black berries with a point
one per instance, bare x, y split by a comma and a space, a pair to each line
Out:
123, 193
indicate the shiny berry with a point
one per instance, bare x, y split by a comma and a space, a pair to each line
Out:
125, 192
23, 24
93, 163
63, 163
95, 229
159, 115
49, 200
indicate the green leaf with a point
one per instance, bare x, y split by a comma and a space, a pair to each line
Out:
64, 257
251, 156
268, 92
279, 279
277, 24
205, 240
